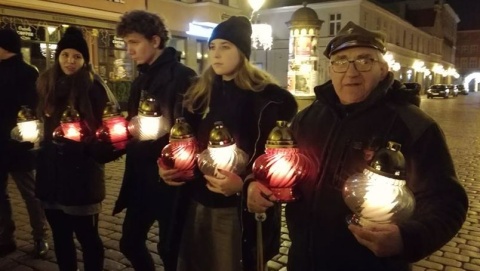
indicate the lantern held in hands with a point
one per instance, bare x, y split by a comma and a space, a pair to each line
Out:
282, 166
222, 153
181, 152
149, 124
379, 194
114, 127
70, 126
28, 127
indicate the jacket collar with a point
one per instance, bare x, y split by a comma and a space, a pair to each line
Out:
168, 55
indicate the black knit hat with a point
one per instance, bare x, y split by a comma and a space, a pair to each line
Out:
10, 40
73, 39
353, 35
237, 30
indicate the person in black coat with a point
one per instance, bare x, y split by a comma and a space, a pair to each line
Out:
70, 171
17, 81
361, 109
146, 198
218, 235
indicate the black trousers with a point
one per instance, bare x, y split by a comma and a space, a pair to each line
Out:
85, 228
138, 220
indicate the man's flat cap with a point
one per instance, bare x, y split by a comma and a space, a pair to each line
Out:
353, 35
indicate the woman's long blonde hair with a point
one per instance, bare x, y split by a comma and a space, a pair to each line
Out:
247, 77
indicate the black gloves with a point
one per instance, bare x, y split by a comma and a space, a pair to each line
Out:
104, 152
101, 152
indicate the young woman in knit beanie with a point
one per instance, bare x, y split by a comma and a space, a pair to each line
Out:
70, 174
248, 102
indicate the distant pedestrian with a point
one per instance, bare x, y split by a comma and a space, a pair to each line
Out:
147, 198
17, 84
70, 174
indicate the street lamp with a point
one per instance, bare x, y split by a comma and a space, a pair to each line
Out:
380, 194
261, 33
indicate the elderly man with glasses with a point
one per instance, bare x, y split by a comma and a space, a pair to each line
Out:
356, 113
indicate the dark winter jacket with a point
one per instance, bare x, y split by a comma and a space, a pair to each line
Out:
337, 135
166, 79
71, 173
249, 117
17, 86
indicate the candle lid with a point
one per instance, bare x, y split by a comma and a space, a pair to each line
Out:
220, 136
70, 115
25, 114
281, 136
110, 110
149, 107
181, 130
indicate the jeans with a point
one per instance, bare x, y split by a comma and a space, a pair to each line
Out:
85, 229
25, 182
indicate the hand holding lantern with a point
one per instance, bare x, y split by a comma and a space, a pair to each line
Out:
28, 127
282, 165
70, 126
379, 194
221, 153
148, 124
181, 152
114, 128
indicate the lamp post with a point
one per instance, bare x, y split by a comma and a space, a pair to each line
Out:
379, 194
221, 153
149, 124
181, 152
114, 127
261, 33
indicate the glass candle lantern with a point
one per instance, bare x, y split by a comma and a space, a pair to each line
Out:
149, 124
181, 152
221, 153
28, 127
282, 166
114, 127
379, 194
70, 126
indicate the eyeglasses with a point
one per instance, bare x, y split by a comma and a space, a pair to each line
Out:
361, 64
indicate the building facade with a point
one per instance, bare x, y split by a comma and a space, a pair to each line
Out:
468, 58
415, 54
41, 23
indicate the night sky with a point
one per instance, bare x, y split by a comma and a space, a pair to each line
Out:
467, 10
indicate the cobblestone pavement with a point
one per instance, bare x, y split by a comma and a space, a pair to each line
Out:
460, 119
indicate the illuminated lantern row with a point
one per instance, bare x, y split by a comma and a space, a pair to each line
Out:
114, 127
380, 194
181, 152
149, 124
282, 166
222, 153
28, 128
70, 126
